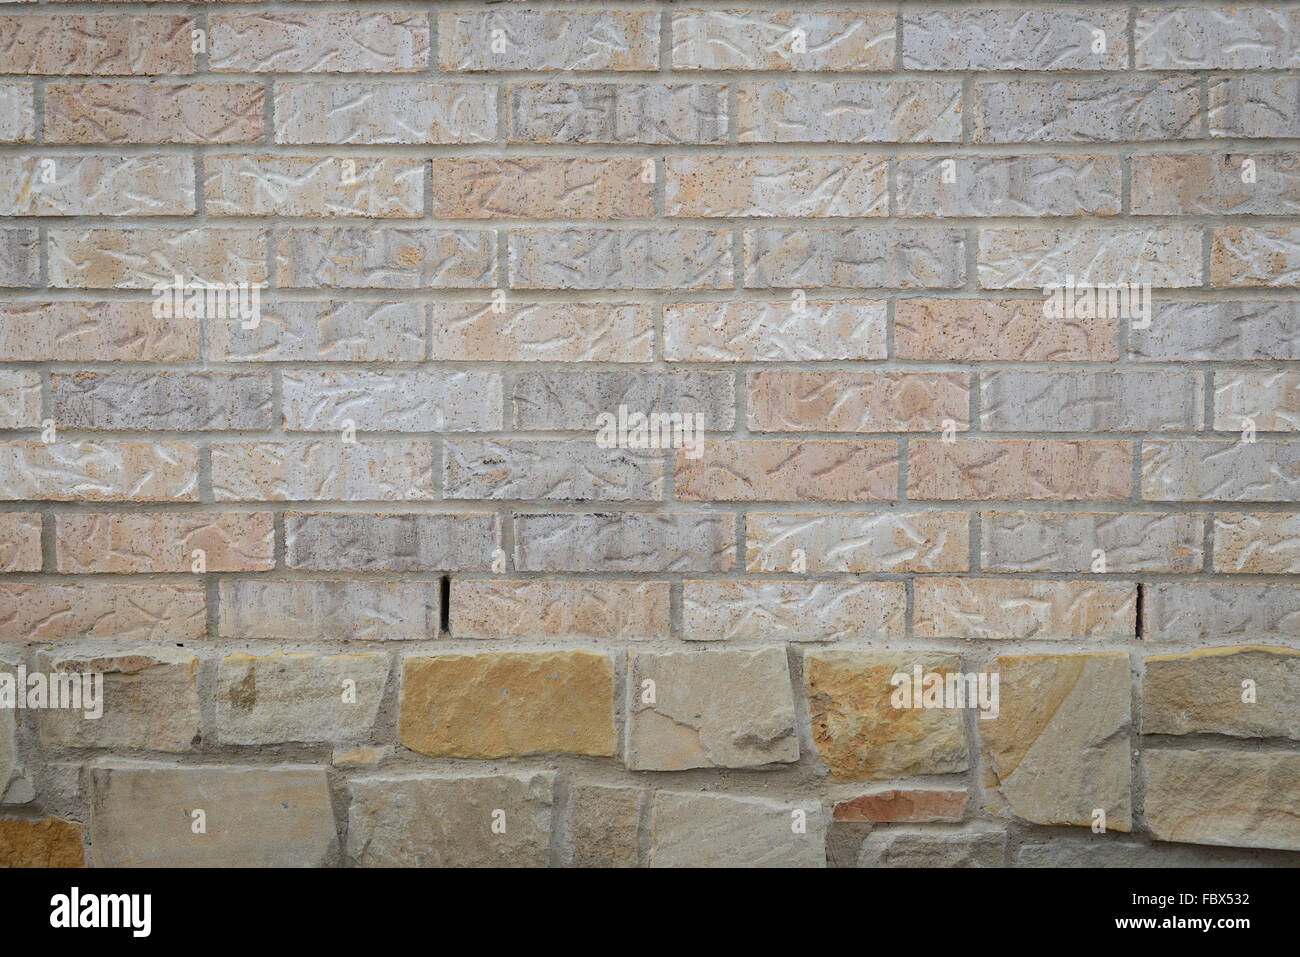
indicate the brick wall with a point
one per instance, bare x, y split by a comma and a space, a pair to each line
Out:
365, 585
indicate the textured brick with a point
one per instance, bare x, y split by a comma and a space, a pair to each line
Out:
407, 401
502, 704
859, 732
1091, 401
19, 257
621, 259
1262, 471
777, 471
1009, 185
255, 817
728, 709
356, 541
575, 400
1066, 541
849, 111
1201, 692
719, 830
17, 113
548, 40
391, 188
854, 257
541, 188
542, 332
650, 113
1210, 38
1257, 542
1031, 258
67, 331
150, 699
1223, 797
134, 258
1269, 399
1086, 111
262, 608
1255, 256
20, 399
161, 401
1253, 106
1184, 610
620, 610
1192, 184
268, 699
117, 542
349, 42
367, 257
1007, 469
425, 821
136, 112
625, 542
765, 40
997, 608
50, 842
407, 112
791, 610
861, 542
96, 45
309, 470
823, 329
20, 541
101, 610
100, 471
550, 469
812, 186
1220, 331
97, 186
804, 401
323, 331
1059, 747
998, 330
958, 39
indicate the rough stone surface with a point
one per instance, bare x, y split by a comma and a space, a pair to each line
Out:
715, 830
1243, 691
51, 842
604, 824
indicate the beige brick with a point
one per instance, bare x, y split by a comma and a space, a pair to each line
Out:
1009, 469
351, 42
1003, 608
73, 44
408, 112
625, 542
309, 470
102, 610
369, 257
141, 258
68, 331
550, 469
1019, 39
1086, 111
824, 329
324, 331
541, 188
137, 112
989, 330
791, 610
651, 113
618, 610
1032, 258
165, 542
777, 471
100, 471
1257, 543
20, 399
855, 257
857, 542
20, 541
364, 610
97, 186
807, 401
1255, 256
765, 40
541, 40
849, 111
503, 704
632, 258
418, 400
805, 186
1215, 38
1271, 400
17, 113
1069, 541
542, 332
1009, 185
390, 188
1210, 184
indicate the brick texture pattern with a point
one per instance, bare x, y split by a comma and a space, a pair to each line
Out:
975, 335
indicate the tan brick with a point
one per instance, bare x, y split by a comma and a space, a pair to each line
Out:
658, 113
136, 258
1033, 258
1257, 543
998, 608
504, 704
542, 332
778, 471
620, 610
20, 541
805, 186
1270, 400
96, 186
849, 111
368, 41
17, 113
539, 40
1210, 184
165, 542
857, 542
127, 112
990, 330
541, 188
813, 330
20, 398
102, 610
310, 470
100, 471
383, 257
73, 44
389, 188
791, 610
68, 331
807, 401
409, 112
324, 331
856, 40
1010, 469
1255, 256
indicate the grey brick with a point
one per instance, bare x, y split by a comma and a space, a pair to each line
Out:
575, 400
269, 608
368, 257
1009, 186
1252, 331
1182, 611
548, 40
849, 111
322, 470
162, 401
392, 401
654, 113
1210, 38
621, 259
327, 331
550, 469
19, 257
1214, 471
958, 39
1091, 401
1254, 107
408, 112
1086, 111
764, 40
357, 541
625, 541
854, 257
1032, 258
1065, 541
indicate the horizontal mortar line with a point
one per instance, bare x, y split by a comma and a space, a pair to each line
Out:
272, 221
